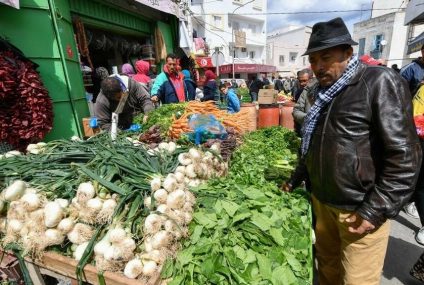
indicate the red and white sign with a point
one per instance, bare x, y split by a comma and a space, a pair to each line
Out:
204, 62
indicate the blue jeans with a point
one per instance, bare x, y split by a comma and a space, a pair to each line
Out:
254, 96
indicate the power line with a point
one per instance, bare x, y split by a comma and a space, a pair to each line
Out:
301, 12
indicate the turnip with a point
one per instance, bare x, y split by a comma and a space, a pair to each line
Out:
53, 237
15, 191
133, 268
195, 154
152, 224
15, 225
170, 183
176, 199
161, 239
179, 176
62, 202
66, 225
53, 214
150, 268
12, 153
116, 235
80, 234
160, 196
172, 147
155, 184
190, 171
31, 201
85, 192
148, 202
184, 158
79, 251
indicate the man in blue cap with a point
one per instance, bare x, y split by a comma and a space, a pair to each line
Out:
361, 153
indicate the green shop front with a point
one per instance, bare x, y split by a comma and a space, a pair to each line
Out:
69, 39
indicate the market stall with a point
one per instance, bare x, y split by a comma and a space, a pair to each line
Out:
157, 209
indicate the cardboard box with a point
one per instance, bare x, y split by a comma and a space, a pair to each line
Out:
267, 96
88, 131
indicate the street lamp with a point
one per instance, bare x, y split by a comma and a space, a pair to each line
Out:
232, 34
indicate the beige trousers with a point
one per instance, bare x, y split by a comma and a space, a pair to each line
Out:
345, 258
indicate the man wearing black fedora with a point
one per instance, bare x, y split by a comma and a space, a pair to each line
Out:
361, 153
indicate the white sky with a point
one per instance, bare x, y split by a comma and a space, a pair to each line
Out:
279, 21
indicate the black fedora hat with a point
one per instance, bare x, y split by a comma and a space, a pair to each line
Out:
329, 34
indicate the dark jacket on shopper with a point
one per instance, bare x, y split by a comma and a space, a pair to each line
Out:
365, 154
414, 74
256, 85
210, 91
138, 101
304, 104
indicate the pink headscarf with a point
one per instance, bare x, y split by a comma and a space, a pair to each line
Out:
127, 70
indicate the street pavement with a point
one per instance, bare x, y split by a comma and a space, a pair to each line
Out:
402, 252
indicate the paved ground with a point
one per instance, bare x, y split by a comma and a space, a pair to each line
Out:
403, 251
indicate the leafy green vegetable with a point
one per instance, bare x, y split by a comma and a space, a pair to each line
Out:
245, 231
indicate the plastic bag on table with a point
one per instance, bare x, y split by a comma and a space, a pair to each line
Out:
205, 127
419, 123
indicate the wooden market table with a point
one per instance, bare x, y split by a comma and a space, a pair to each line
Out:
58, 266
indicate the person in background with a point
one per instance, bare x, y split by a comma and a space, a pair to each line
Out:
97, 77
265, 80
278, 85
414, 75
112, 89
190, 85
395, 68
153, 71
254, 87
414, 72
142, 67
127, 70
303, 78
233, 102
210, 89
361, 152
243, 93
304, 104
169, 84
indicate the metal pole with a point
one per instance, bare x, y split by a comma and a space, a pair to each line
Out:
234, 50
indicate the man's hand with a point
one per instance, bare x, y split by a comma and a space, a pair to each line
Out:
287, 187
359, 226
154, 98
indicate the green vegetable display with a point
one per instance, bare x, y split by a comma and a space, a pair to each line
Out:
161, 116
245, 231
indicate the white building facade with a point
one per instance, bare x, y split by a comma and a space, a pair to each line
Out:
219, 21
384, 36
285, 48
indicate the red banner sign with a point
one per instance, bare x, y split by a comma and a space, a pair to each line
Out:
247, 68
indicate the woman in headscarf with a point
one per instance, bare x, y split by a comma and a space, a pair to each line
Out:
127, 70
142, 67
190, 85
99, 74
210, 89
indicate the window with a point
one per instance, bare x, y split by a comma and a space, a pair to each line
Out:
252, 27
377, 48
243, 49
281, 59
252, 54
361, 47
292, 57
217, 21
236, 26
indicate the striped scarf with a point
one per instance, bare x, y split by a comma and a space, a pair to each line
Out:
325, 96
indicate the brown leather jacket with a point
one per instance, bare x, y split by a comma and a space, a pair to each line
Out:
365, 155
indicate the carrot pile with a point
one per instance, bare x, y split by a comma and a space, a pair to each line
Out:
179, 126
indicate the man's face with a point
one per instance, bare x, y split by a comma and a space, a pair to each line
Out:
171, 63
224, 90
303, 80
329, 64
117, 97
